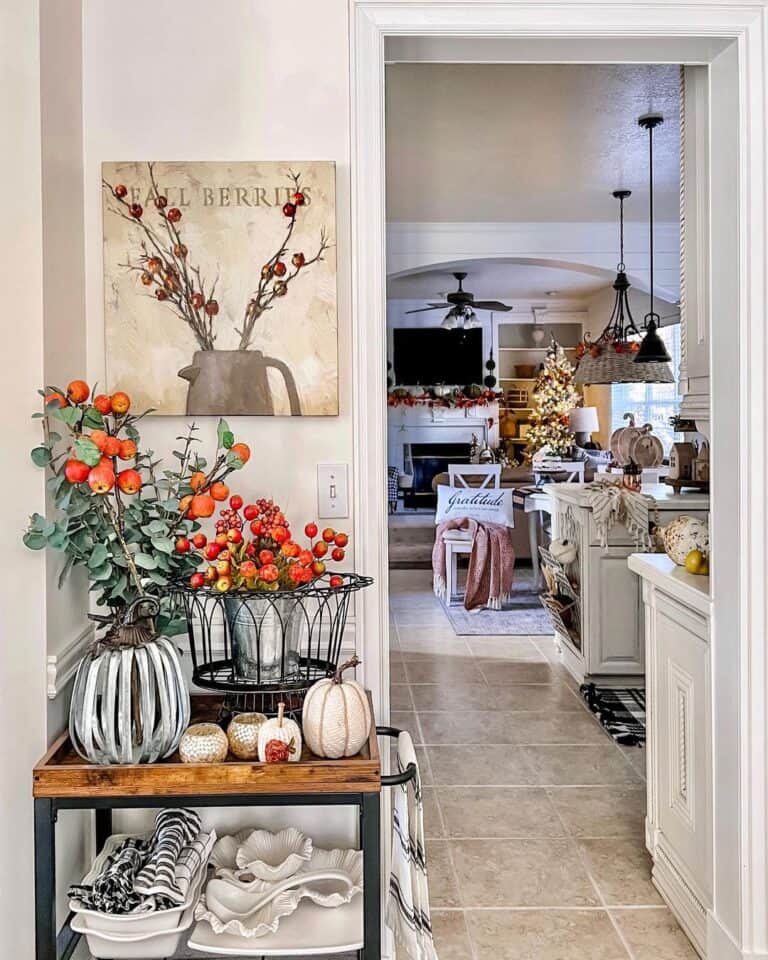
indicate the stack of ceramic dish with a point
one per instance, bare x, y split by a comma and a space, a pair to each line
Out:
145, 934
262, 877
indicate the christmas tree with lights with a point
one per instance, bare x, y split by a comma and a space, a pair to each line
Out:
554, 396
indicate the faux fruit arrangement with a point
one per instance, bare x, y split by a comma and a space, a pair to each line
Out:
598, 347
253, 548
120, 515
698, 563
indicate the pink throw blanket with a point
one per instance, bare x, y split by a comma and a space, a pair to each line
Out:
491, 563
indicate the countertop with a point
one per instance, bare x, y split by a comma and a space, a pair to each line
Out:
664, 495
673, 580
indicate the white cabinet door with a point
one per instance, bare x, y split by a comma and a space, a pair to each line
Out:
681, 694
615, 614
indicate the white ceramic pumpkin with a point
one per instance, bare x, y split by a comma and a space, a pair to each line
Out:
336, 716
282, 729
683, 535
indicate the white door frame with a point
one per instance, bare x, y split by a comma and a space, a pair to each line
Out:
738, 922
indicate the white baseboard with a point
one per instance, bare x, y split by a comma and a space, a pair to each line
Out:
60, 667
685, 900
722, 946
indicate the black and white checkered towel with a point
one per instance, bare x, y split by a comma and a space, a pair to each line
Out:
393, 476
149, 874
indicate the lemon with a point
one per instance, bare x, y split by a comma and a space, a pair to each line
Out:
696, 562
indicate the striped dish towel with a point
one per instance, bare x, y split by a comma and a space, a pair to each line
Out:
174, 830
407, 912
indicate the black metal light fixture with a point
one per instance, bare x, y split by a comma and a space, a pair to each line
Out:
652, 349
611, 357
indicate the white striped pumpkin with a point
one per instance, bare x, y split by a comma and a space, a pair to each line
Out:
336, 717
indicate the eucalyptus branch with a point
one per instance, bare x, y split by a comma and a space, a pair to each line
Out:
124, 547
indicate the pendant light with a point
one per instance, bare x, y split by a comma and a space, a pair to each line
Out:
652, 349
611, 358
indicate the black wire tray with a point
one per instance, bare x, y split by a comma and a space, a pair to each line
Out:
265, 647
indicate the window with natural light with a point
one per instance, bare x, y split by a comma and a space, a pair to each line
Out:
652, 403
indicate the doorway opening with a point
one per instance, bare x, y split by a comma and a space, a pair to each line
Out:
527, 225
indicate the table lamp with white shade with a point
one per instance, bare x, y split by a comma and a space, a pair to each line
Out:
584, 423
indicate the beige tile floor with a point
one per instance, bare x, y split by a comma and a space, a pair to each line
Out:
534, 816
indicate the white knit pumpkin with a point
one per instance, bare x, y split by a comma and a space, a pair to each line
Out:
280, 728
336, 716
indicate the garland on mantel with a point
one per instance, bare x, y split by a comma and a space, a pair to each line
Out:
401, 397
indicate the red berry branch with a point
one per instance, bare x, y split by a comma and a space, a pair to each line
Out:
275, 275
163, 264
165, 268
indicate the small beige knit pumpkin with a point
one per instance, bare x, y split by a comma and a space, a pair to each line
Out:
336, 717
284, 730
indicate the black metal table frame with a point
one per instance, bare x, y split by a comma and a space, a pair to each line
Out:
54, 944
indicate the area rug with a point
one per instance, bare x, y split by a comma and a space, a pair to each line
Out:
522, 616
620, 710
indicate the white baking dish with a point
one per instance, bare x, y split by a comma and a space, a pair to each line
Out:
156, 945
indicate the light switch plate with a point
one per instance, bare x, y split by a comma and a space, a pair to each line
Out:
332, 490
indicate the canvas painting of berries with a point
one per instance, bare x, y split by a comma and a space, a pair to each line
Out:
220, 286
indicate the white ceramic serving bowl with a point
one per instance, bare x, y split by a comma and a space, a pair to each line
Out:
155, 945
133, 923
274, 856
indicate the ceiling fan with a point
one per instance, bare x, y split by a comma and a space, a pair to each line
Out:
461, 307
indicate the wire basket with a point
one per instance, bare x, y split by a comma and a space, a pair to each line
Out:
264, 647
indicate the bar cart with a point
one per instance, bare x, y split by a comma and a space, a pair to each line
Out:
62, 781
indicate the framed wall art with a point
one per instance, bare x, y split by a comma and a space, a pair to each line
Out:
220, 286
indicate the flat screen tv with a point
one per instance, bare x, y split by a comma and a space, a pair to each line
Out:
429, 355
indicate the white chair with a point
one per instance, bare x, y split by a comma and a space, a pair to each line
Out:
460, 541
458, 473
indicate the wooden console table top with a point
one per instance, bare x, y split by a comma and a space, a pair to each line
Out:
62, 773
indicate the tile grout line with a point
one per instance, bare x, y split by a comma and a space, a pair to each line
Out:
598, 908
454, 873
595, 886
598, 891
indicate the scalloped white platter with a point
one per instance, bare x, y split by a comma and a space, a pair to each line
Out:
349, 862
312, 930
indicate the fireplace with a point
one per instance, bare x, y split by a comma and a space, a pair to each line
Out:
427, 460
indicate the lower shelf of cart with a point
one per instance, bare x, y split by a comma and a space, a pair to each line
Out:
310, 931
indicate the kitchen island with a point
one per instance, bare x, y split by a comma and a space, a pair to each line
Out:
607, 648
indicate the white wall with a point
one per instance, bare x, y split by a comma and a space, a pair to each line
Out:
22, 584
234, 80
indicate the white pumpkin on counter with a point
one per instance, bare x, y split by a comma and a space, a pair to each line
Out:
282, 730
336, 716
683, 535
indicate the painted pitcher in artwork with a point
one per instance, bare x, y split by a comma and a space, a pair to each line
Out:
220, 287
